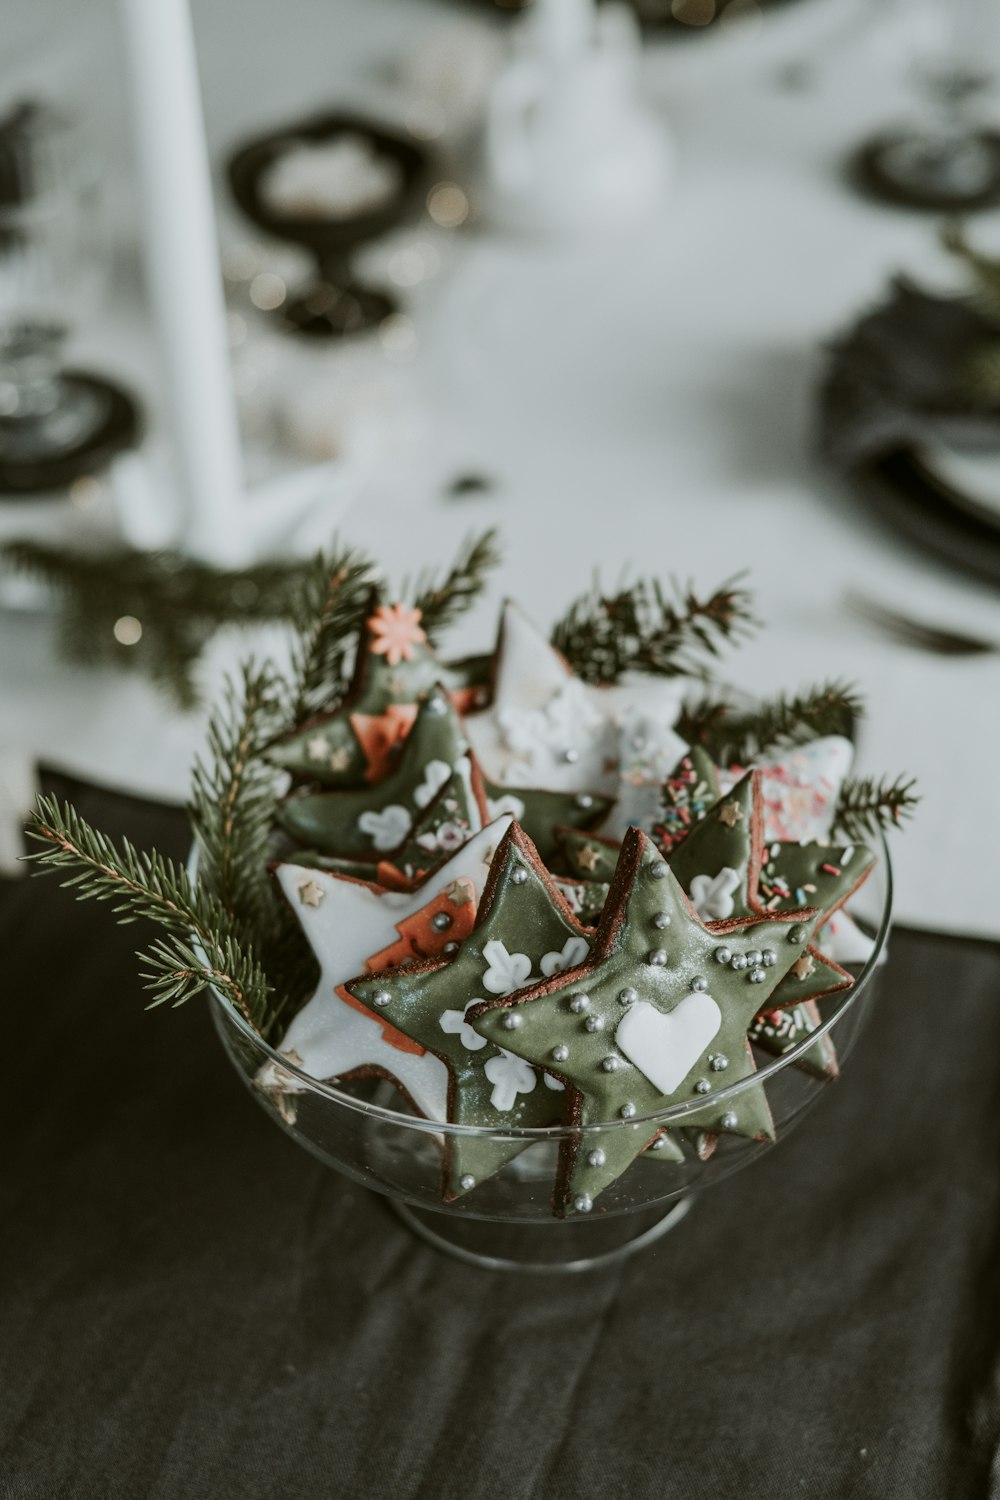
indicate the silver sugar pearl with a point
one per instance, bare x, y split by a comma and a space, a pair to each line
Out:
584, 800
699, 984
757, 976
702, 1086
467, 1183
657, 957
723, 955
519, 875
512, 1021
738, 961
436, 706
753, 956
658, 1143
627, 1111
768, 957
451, 947
661, 920
579, 1004
594, 1023
628, 996
796, 934
611, 1064
441, 921
658, 870
583, 1204
729, 1121
596, 1158
571, 756
381, 998
720, 1062
561, 1052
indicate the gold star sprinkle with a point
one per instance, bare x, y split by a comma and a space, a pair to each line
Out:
340, 760
730, 813
587, 857
804, 966
311, 893
460, 891
318, 747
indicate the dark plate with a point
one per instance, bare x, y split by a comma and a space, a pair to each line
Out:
921, 506
327, 237
120, 429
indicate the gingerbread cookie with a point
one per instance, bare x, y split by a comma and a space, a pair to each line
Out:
523, 931
658, 1013
352, 926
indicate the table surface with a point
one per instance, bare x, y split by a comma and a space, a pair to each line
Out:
646, 403
192, 1308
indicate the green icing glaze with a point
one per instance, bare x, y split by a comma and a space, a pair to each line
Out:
375, 820
586, 856
540, 813
619, 1051
523, 931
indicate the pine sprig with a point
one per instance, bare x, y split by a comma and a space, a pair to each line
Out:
202, 946
442, 603
869, 803
736, 737
641, 628
330, 611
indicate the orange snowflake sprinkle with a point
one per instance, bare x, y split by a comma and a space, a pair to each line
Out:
397, 631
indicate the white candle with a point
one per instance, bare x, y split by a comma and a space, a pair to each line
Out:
182, 261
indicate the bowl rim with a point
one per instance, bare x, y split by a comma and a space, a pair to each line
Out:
674, 1114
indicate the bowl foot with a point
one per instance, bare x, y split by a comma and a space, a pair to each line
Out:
550, 1249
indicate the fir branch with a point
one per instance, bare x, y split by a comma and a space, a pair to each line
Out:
139, 884
154, 611
869, 803
983, 269
334, 595
641, 628
734, 737
233, 793
441, 604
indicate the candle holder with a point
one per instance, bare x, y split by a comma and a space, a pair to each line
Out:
336, 304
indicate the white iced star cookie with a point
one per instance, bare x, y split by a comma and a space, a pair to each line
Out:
351, 924
801, 787
547, 728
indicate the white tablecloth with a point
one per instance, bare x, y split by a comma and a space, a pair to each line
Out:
646, 404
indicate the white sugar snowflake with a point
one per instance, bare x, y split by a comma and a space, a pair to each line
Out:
507, 971
387, 828
453, 1022
574, 951
509, 1076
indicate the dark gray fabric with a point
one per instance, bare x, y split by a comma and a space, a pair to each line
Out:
191, 1307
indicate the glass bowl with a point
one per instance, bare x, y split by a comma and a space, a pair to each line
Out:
363, 1130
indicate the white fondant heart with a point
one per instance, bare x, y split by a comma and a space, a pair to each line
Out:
387, 828
666, 1047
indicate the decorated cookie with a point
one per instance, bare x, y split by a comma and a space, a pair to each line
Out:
542, 813
449, 819
524, 932
353, 927
588, 856
374, 820
359, 740
778, 1031
656, 1015
801, 787
687, 793
546, 728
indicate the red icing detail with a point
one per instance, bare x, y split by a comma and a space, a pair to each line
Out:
380, 734
391, 877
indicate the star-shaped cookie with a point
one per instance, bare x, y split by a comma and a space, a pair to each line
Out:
655, 1016
544, 727
524, 931
394, 668
349, 924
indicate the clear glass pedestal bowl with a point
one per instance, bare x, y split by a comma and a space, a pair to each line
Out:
363, 1130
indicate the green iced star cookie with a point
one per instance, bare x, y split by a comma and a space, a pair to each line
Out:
524, 931
394, 668
587, 856
374, 820
543, 814
656, 1015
